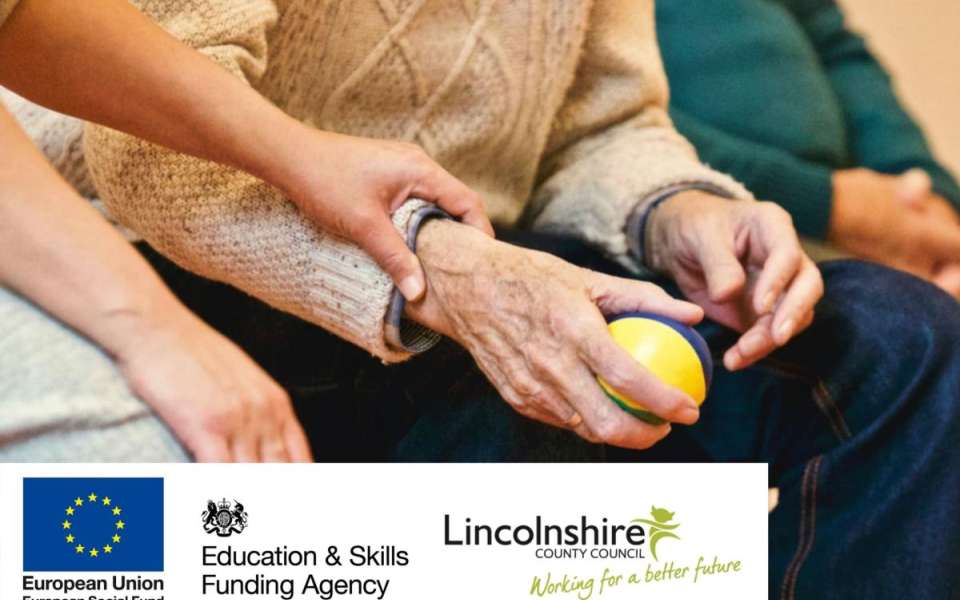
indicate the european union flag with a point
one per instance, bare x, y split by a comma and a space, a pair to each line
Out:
92, 524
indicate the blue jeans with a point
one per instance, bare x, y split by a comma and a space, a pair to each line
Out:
858, 420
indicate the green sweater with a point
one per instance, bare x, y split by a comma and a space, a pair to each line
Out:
779, 93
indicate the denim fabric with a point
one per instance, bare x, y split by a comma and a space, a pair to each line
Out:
858, 420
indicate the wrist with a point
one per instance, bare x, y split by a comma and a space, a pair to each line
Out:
450, 253
127, 330
282, 157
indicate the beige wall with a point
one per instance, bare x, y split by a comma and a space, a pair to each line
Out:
920, 41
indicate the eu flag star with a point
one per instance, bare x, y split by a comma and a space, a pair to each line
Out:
70, 539
121, 524
80, 549
94, 553
107, 549
106, 501
116, 511
116, 539
92, 497
69, 511
78, 501
67, 524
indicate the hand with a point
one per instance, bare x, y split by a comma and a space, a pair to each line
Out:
214, 398
350, 186
915, 190
899, 222
742, 262
535, 326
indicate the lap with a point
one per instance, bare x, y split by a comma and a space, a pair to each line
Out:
63, 399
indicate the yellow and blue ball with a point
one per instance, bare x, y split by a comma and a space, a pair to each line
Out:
672, 351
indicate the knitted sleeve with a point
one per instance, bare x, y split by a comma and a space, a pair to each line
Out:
6, 7
229, 226
613, 148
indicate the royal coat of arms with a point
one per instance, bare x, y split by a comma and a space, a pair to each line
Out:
224, 518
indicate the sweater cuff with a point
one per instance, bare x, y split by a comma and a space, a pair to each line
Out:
6, 7
401, 333
636, 228
804, 190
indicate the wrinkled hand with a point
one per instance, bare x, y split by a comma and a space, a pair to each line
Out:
535, 325
220, 404
897, 221
351, 185
742, 262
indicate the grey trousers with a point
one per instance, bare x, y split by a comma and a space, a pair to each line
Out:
63, 400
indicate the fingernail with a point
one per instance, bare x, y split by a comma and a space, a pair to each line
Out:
411, 287
785, 331
689, 414
730, 360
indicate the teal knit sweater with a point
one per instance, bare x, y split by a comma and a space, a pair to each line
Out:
779, 93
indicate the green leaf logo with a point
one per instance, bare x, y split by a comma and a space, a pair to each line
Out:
660, 527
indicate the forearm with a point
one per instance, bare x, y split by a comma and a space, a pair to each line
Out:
56, 250
105, 62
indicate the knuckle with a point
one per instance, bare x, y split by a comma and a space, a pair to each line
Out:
776, 213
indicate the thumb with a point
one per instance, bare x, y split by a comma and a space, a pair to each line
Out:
385, 246
913, 187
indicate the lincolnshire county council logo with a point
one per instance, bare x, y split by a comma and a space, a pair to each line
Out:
224, 518
660, 527
92, 524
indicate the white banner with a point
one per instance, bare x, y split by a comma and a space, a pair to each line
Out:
390, 531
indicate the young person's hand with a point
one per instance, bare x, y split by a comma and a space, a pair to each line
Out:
897, 221
742, 262
351, 185
215, 399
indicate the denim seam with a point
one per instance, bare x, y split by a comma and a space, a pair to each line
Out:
808, 519
821, 396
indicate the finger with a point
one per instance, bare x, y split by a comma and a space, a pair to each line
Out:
453, 196
245, 449
804, 293
273, 447
722, 270
386, 247
211, 449
782, 264
940, 240
756, 343
604, 421
615, 295
624, 374
296, 440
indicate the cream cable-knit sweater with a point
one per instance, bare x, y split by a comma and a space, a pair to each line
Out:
554, 110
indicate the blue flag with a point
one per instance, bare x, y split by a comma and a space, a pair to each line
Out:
92, 524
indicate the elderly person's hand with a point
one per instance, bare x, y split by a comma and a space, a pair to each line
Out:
897, 221
742, 262
535, 325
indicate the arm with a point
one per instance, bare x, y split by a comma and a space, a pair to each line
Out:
803, 188
622, 178
104, 61
223, 223
884, 137
613, 150
56, 250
